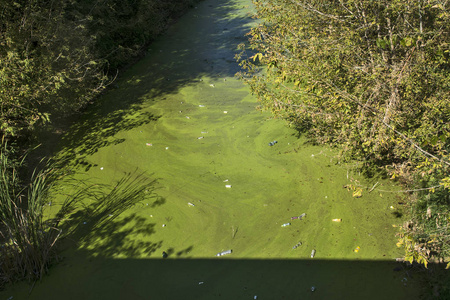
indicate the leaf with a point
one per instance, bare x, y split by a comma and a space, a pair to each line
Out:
257, 56
409, 258
357, 193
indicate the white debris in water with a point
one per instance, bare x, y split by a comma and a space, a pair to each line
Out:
201, 105
201, 282
200, 137
226, 180
167, 148
225, 112
228, 186
101, 168
163, 225
190, 204
212, 85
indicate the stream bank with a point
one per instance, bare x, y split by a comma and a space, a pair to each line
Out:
181, 116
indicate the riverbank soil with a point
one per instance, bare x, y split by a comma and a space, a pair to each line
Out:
228, 178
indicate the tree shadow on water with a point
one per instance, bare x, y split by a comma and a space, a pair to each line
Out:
94, 131
203, 43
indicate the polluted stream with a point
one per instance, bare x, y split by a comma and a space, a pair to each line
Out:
245, 207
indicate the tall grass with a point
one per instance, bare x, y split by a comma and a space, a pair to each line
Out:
27, 241
28, 238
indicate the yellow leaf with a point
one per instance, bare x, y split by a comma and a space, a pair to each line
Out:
410, 259
448, 266
257, 56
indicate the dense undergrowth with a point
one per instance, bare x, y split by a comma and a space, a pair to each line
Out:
372, 79
55, 58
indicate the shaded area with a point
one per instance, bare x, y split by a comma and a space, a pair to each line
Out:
180, 59
226, 278
102, 220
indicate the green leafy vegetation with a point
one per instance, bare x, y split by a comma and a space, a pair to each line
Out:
371, 78
55, 58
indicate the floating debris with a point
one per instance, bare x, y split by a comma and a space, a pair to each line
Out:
187, 117
167, 148
298, 245
201, 282
212, 85
357, 249
272, 143
200, 137
228, 186
149, 144
163, 225
226, 180
225, 111
313, 253
101, 168
299, 217
313, 288
201, 106
191, 204
203, 132
337, 220
224, 252
285, 224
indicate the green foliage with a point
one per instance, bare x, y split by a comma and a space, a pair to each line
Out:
369, 77
56, 56
27, 241
45, 64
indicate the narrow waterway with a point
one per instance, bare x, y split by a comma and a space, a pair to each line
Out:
223, 183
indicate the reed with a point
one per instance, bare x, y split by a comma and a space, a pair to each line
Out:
27, 240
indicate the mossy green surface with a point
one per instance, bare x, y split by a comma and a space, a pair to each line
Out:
180, 116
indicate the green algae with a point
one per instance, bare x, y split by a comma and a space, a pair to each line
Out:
181, 116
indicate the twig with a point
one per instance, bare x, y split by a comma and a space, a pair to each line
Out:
373, 187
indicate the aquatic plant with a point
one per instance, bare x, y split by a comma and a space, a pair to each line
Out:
29, 235
27, 240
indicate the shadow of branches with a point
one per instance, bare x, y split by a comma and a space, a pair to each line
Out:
189, 51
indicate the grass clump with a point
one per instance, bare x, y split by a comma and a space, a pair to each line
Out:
30, 234
27, 239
